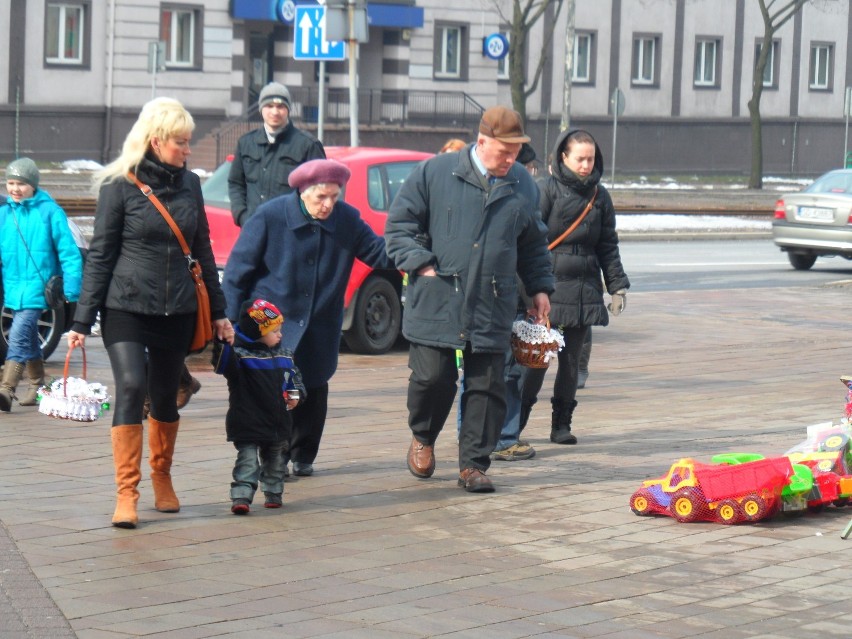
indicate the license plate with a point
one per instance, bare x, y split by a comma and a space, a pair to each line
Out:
815, 214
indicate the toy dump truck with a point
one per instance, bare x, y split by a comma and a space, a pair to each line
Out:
692, 491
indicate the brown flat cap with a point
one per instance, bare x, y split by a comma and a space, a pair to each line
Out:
319, 172
503, 124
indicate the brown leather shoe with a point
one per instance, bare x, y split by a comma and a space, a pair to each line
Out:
186, 391
421, 459
474, 480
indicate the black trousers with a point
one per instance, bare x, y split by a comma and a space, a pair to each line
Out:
308, 425
432, 389
136, 371
565, 385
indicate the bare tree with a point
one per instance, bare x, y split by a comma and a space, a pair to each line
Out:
775, 14
525, 14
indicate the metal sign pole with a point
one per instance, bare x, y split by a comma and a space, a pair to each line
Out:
321, 102
847, 106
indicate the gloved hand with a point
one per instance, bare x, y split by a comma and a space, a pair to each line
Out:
618, 302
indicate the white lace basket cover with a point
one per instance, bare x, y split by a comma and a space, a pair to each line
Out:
534, 345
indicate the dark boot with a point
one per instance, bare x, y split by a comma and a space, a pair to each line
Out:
560, 426
34, 373
12, 372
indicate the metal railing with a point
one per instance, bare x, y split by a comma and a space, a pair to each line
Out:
397, 108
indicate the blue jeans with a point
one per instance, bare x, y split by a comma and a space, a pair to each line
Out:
23, 336
258, 463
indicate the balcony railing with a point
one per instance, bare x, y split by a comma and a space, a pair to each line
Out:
396, 108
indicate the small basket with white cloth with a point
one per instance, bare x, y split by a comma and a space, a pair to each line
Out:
73, 398
533, 344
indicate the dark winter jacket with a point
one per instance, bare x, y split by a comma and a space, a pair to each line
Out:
52, 251
135, 263
476, 239
302, 266
260, 170
590, 250
258, 376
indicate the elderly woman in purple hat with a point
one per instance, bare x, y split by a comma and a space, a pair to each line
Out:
297, 251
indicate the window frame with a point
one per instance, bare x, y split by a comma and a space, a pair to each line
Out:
60, 62
638, 60
774, 64
439, 71
701, 65
589, 36
195, 46
828, 85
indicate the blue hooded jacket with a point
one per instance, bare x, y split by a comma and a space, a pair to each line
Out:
52, 251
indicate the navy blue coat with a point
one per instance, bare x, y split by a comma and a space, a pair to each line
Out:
302, 266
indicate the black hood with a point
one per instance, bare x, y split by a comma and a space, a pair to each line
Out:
561, 172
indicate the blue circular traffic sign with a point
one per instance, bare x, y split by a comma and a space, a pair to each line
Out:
496, 46
286, 11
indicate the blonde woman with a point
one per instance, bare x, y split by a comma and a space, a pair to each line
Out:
136, 275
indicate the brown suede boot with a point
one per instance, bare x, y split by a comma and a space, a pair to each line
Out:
161, 442
12, 372
34, 372
127, 457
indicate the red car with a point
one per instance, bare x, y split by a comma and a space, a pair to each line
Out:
372, 319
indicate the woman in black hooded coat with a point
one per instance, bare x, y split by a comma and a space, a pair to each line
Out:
583, 263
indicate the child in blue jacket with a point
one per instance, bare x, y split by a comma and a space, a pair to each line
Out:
263, 385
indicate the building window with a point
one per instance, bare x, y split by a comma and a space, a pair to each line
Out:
707, 62
645, 60
503, 63
67, 33
770, 73
450, 61
180, 29
583, 57
822, 66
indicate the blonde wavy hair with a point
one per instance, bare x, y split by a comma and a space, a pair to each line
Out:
162, 118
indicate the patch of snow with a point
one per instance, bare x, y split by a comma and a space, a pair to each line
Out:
77, 166
689, 223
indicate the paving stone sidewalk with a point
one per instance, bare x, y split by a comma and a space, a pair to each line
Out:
364, 550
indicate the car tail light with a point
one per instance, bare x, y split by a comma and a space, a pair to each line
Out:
780, 211
849, 219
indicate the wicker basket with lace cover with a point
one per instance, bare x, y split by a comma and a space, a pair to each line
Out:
534, 345
73, 398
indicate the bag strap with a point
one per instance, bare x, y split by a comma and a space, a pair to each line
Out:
574, 224
24, 242
149, 193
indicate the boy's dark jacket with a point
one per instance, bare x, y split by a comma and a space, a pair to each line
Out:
257, 378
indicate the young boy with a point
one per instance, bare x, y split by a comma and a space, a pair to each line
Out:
263, 384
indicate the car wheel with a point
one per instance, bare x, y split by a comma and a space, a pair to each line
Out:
375, 323
51, 325
801, 261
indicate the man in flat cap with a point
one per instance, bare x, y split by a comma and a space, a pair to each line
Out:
297, 251
462, 226
265, 157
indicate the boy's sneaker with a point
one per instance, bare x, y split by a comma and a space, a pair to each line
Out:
241, 506
273, 500
515, 452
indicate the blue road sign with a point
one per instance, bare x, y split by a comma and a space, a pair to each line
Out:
309, 41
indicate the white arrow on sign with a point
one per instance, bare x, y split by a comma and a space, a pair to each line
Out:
305, 26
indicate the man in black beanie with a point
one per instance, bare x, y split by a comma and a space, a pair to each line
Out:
265, 157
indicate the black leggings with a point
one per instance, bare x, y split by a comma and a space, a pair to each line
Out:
137, 370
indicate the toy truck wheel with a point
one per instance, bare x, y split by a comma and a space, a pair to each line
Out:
840, 502
729, 511
685, 505
835, 441
641, 502
754, 507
